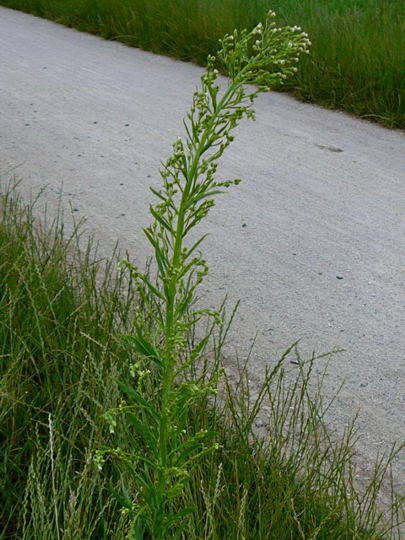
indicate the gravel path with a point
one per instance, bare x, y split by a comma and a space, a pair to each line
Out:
312, 242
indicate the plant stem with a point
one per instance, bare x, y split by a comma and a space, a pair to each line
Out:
171, 293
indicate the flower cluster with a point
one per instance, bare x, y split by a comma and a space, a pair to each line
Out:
266, 56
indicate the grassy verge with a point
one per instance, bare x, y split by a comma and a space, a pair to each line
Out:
357, 57
61, 310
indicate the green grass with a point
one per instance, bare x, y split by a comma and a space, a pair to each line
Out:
61, 310
357, 57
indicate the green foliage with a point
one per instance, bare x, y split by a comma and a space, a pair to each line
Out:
61, 310
260, 58
356, 62
58, 355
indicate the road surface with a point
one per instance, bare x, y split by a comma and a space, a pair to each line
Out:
311, 242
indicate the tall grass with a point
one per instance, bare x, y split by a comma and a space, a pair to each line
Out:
357, 59
61, 310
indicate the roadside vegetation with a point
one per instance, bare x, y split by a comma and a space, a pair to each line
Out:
118, 418
62, 309
357, 56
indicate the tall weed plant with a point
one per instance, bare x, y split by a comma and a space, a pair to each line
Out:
255, 61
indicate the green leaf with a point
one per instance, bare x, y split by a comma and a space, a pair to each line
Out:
193, 355
199, 347
143, 429
195, 246
204, 195
122, 497
158, 194
182, 306
151, 287
137, 399
143, 346
160, 258
160, 219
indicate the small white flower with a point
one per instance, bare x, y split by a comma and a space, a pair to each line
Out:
258, 29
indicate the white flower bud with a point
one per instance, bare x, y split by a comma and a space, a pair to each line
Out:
258, 29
